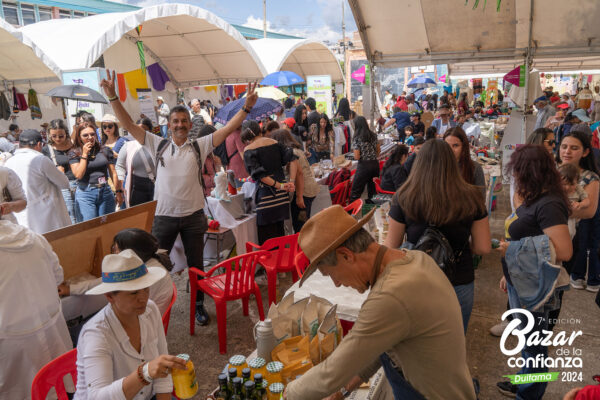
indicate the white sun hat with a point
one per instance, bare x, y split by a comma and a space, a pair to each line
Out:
126, 271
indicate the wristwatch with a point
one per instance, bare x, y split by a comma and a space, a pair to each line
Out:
344, 392
246, 110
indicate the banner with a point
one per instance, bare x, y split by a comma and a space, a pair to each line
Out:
363, 75
492, 92
516, 76
319, 88
147, 104
89, 78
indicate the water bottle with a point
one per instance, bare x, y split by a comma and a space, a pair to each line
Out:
265, 339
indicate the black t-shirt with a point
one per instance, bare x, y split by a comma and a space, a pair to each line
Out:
457, 233
393, 177
62, 159
97, 166
419, 127
545, 212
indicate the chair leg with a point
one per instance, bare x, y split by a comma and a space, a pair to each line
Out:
245, 305
259, 304
294, 275
222, 325
193, 290
272, 285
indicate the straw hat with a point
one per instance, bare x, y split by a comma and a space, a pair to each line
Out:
126, 271
341, 162
109, 118
325, 232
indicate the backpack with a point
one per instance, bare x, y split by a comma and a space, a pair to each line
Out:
436, 245
162, 146
221, 152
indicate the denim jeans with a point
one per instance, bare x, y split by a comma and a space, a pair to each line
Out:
588, 234
191, 228
530, 391
69, 197
164, 131
94, 201
401, 388
465, 294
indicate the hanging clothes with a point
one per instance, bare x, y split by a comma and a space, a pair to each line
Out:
136, 79
34, 105
4, 107
15, 107
122, 88
158, 75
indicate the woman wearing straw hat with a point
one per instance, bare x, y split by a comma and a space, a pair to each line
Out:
122, 351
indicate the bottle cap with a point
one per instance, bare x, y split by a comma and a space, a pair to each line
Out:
258, 378
276, 387
222, 377
249, 385
237, 381
232, 372
274, 366
184, 357
257, 362
237, 360
246, 372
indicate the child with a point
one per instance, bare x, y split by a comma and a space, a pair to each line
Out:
408, 131
575, 192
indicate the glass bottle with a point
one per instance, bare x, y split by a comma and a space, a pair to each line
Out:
259, 387
237, 389
223, 393
275, 391
245, 375
184, 381
238, 362
232, 375
249, 390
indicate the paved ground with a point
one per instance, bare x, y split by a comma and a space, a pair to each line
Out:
486, 361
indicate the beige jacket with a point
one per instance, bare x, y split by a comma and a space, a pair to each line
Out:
413, 315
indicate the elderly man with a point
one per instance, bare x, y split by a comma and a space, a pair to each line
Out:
545, 111
198, 120
417, 338
443, 123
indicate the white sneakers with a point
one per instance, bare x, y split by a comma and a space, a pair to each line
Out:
497, 329
580, 284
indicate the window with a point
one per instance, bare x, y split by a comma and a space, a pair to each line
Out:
45, 13
78, 14
64, 14
28, 14
10, 12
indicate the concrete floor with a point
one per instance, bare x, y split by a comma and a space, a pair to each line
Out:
486, 361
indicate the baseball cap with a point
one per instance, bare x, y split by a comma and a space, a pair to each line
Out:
290, 122
579, 113
30, 137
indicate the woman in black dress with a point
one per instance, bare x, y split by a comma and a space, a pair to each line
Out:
264, 159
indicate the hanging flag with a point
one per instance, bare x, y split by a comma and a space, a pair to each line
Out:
442, 78
140, 46
121, 88
360, 74
516, 76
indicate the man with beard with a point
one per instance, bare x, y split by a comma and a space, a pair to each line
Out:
178, 188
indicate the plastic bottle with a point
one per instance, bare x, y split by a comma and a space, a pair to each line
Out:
265, 339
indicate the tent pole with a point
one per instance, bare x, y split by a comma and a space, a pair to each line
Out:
372, 95
528, 63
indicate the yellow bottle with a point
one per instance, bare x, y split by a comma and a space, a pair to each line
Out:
275, 391
238, 362
184, 382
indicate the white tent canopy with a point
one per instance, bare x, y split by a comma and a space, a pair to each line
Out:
22, 60
302, 56
540, 64
192, 45
437, 32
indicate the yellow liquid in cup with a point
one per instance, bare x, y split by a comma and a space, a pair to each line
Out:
184, 382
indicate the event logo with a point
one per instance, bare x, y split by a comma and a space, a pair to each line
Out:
522, 327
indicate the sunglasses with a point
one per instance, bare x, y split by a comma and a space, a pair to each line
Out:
551, 142
108, 126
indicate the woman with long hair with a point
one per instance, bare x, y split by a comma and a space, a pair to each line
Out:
366, 150
343, 109
543, 137
109, 130
393, 173
575, 148
300, 129
320, 143
471, 171
92, 165
541, 208
307, 187
436, 194
57, 149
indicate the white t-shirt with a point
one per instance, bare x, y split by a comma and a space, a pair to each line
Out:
443, 128
177, 188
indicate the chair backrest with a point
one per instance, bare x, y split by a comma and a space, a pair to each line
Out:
339, 193
355, 207
381, 164
167, 315
52, 374
301, 263
378, 188
239, 274
284, 259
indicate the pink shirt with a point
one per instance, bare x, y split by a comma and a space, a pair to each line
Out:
234, 144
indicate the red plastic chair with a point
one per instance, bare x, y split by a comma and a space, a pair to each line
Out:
381, 164
51, 376
167, 315
301, 262
378, 188
355, 207
339, 193
236, 283
282, 251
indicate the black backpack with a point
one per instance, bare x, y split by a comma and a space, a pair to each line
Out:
436, 245
221, 152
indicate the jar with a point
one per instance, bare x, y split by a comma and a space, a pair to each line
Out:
258, 365
184, 381
275, 391
238, 362
274, 372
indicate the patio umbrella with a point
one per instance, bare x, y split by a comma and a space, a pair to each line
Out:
77, 92
263, 108
270, 92
282, 78
422, 81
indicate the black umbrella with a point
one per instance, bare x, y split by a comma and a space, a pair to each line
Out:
77, 92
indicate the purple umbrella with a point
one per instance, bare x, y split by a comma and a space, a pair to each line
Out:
263, 108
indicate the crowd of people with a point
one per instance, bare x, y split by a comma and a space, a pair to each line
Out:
69, 177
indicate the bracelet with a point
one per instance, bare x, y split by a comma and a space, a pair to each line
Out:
119, 191
140, 374
246, 110
147, 376
83, 158
113, 98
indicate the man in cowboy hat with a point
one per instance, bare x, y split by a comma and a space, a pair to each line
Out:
410, 322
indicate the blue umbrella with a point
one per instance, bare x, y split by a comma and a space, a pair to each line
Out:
422, 81
282, 78
263, 108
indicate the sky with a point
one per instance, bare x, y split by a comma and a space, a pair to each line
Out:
314, 19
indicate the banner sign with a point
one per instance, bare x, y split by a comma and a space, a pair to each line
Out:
319, 88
